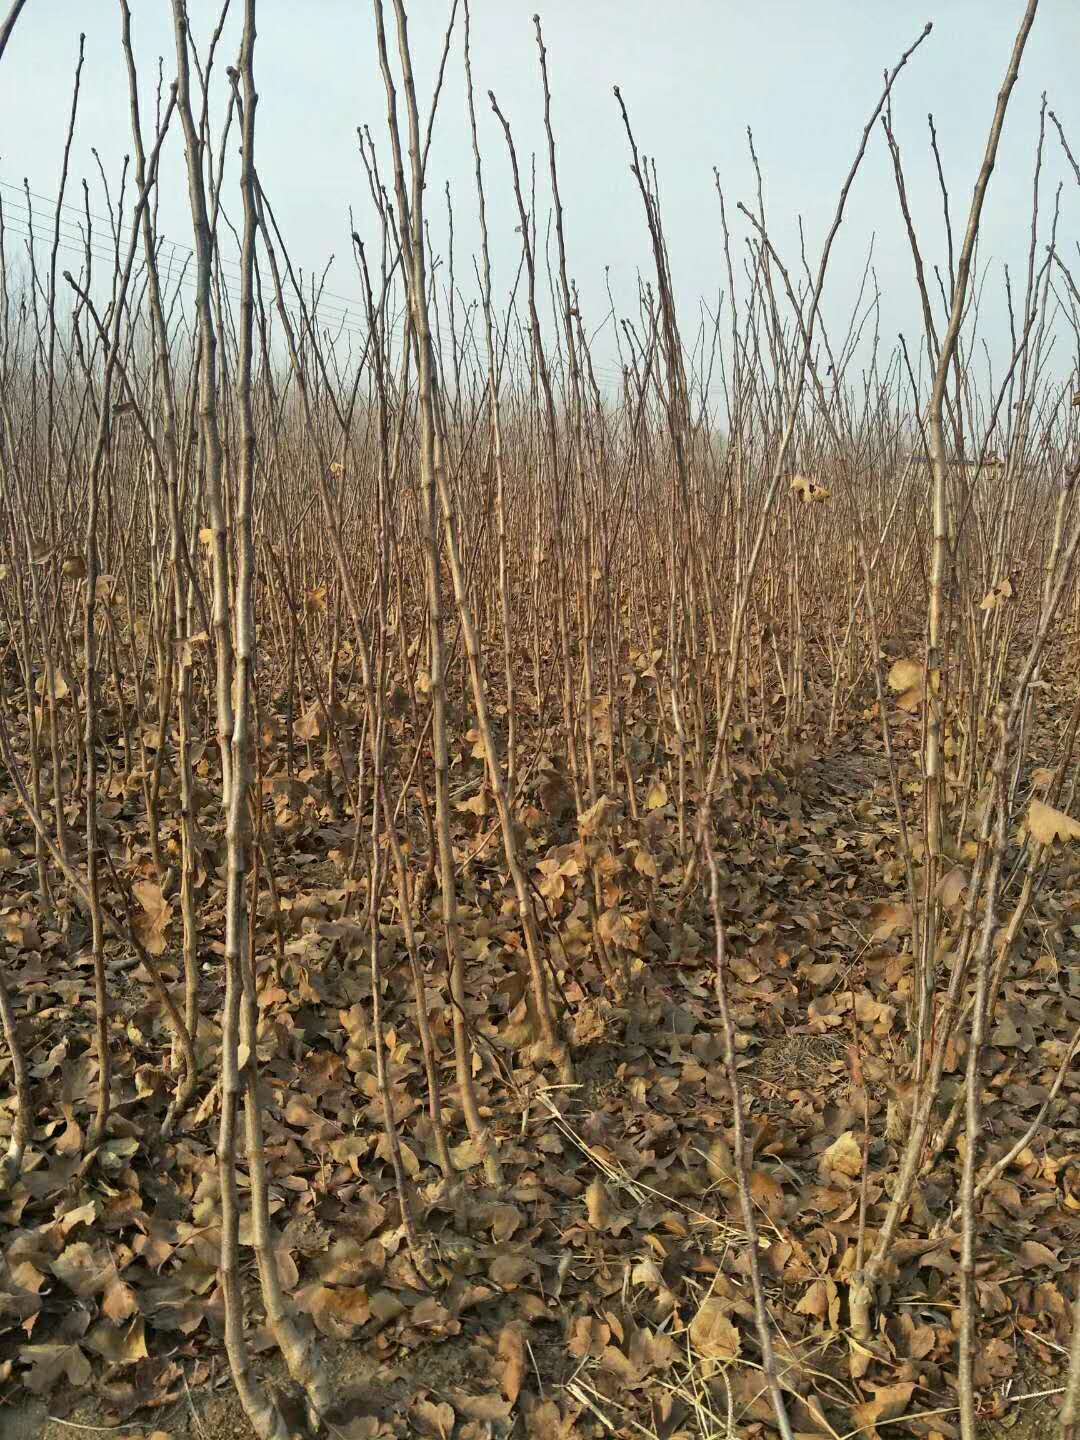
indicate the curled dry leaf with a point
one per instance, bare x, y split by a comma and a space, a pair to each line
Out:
597, 818
512, 1356
843, 1157
720, 1164
997, 595
952, 885
597, 1204
809, 491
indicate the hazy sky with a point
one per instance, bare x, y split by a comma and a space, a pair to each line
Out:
804, 76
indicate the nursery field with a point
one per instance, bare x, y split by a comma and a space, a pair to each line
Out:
531, 905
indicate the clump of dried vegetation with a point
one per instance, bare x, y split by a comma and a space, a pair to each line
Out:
569, 895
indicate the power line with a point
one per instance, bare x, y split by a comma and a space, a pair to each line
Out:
346, 302
330, 309
43, 226
33, 229
608, 371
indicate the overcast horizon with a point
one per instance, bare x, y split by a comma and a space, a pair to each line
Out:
804, 80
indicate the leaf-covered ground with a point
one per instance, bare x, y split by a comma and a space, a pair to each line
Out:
603, 1290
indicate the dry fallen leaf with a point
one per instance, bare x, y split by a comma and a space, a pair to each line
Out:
119, 1301
657, 796
712, 1333
82, 1270
1047, 824
338, 1311
889, 1402
843, 1157
431, 1417
996, 596
150, 926
512, 1355
508, 1271
48, 1363
905, 674
889, 917
547, 1422
598, 1204
119, 1345
480, 1407
809, 491
952, 885
597, 818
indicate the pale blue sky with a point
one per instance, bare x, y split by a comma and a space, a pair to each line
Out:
804, 76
